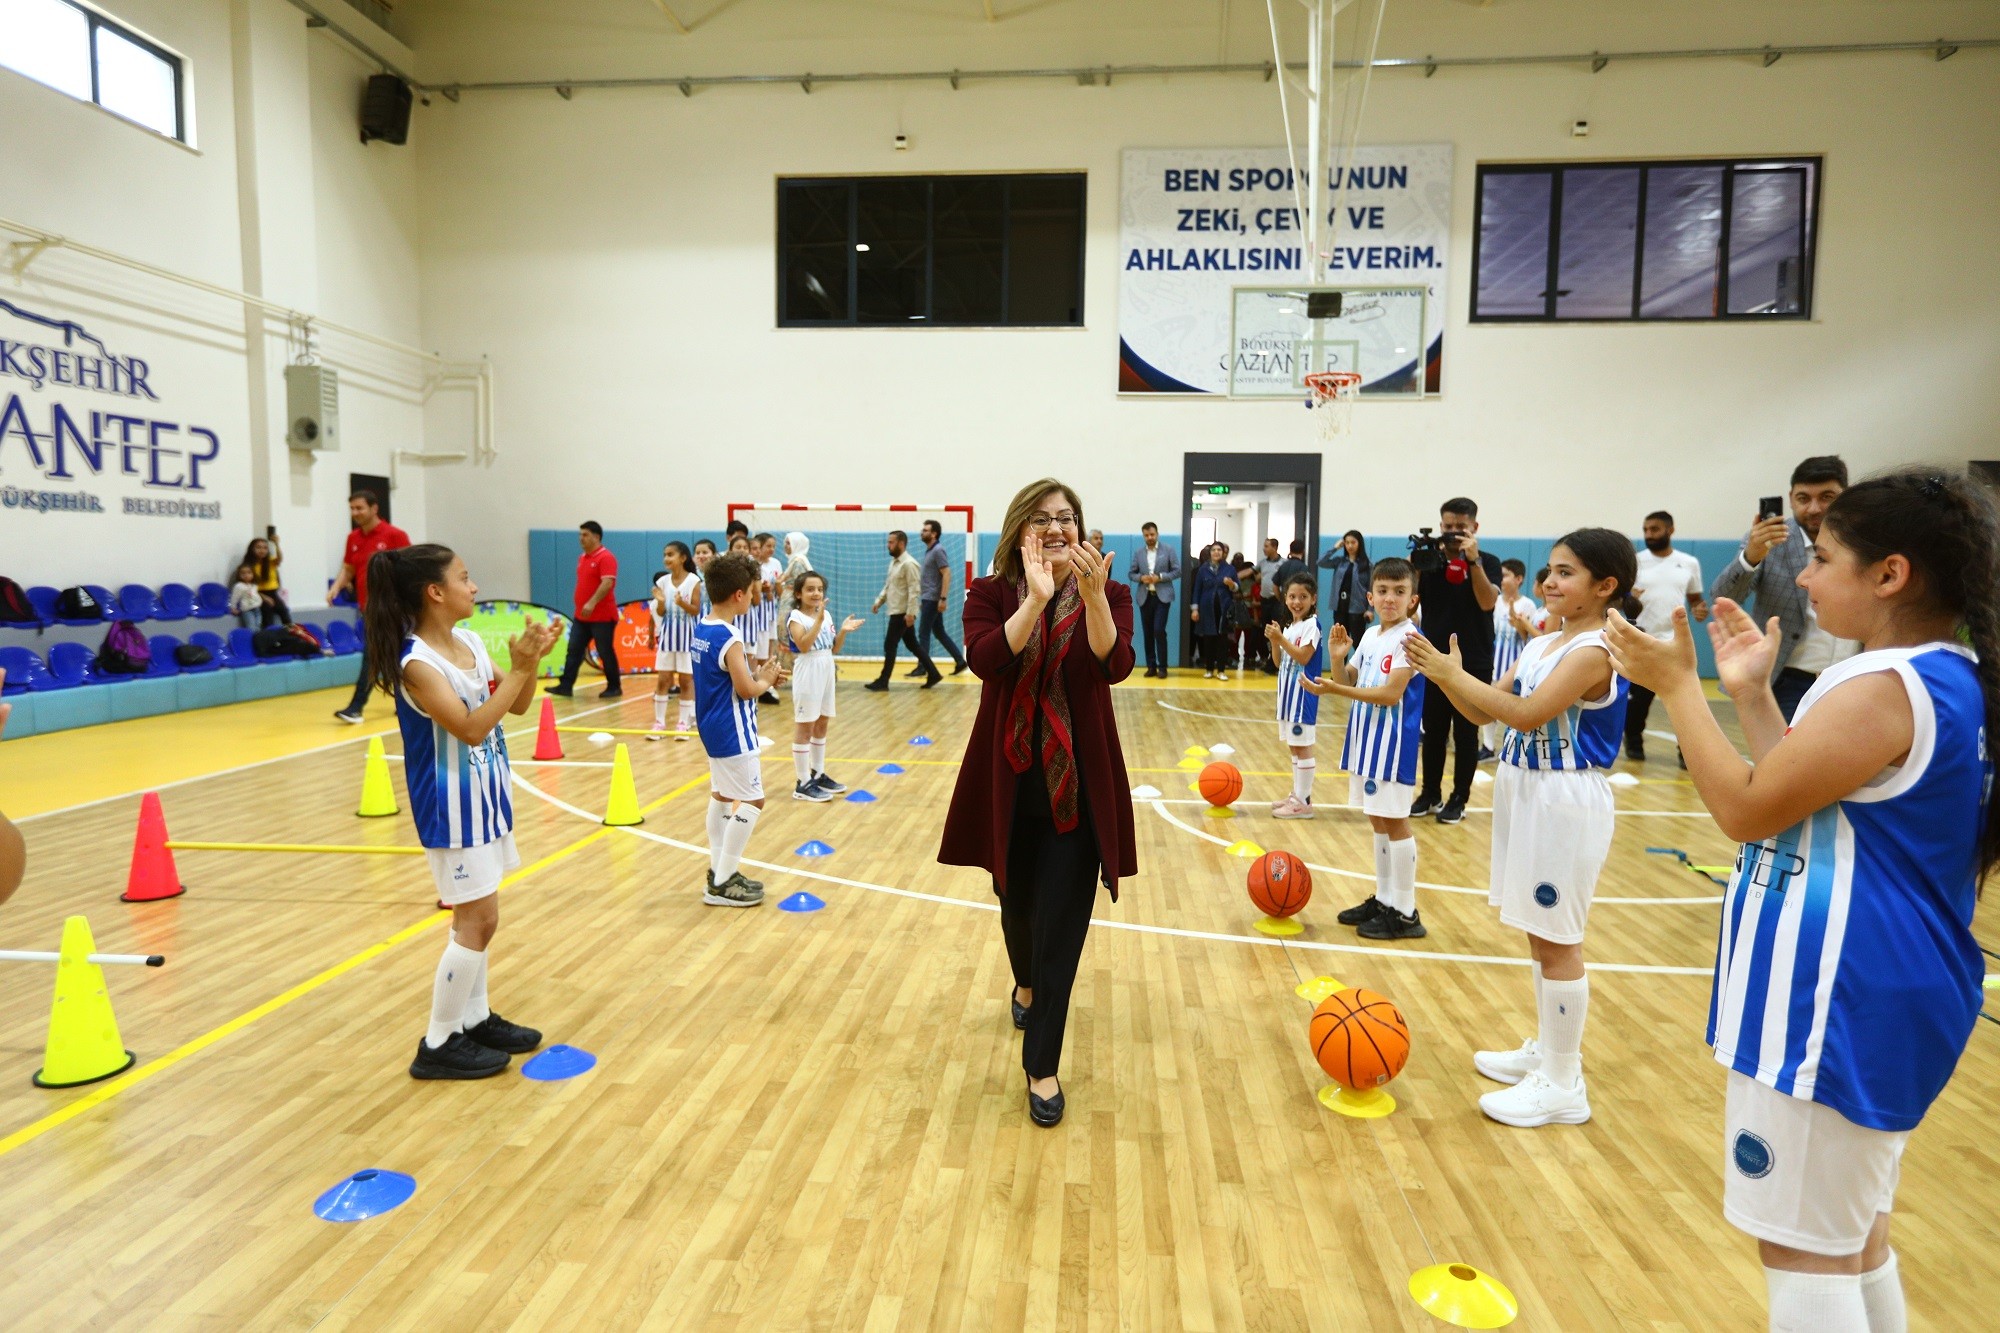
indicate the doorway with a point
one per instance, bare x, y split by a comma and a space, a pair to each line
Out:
1239, 500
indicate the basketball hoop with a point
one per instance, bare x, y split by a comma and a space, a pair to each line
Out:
1333, 395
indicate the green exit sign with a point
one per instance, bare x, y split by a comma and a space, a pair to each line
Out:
1218, 490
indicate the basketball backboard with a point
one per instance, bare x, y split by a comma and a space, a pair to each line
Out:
1275, 340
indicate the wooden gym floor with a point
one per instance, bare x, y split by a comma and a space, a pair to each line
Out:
817, 1120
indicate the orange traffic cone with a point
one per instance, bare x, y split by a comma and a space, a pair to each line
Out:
153, 875
547, 744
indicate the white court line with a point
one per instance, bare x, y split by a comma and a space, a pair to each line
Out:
1160, 809
1220, 717
258, 763
1487, 810
1133, 926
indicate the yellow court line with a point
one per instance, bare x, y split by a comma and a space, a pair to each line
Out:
105, 1092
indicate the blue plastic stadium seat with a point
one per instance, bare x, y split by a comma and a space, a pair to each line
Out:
73, 664
340, 636
319, 635
346, 597
24, 671
242, 648
43, 599
137, 602
105, 599
176, 601
217, 651
211, 602
163, 663
103, 596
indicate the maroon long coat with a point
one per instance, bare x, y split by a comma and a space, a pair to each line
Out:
982, 806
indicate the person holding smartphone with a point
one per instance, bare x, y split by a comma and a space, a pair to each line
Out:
1767, 569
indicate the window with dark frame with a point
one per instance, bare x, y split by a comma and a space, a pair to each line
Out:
887, 251
1702, 239
76, 50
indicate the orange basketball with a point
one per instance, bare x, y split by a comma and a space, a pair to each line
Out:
1221, 784
1280, 884
1359, 1039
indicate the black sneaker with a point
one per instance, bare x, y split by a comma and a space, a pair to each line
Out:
560, 691
1366, 910
1635, 751
769, 697
350, 716
878, 685
735, 891
931, 680
1453, 811
913, 673
497, 1034
1393, 925
825, 782
807, 791
1484, 754
611, 694
961, 668
1423, 805
459, 1057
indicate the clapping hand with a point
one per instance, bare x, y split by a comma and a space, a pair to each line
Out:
1648, 662
1435, 663
1093, 569
1272, 632
1035, 569
526, 650
852, 623
1338, 646
1744, 654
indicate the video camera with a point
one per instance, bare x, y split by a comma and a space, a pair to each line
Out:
1429, 551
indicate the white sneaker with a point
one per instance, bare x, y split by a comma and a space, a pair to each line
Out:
1222, 675
1292, 808
1535, 1101
1509, 1066
1206, 675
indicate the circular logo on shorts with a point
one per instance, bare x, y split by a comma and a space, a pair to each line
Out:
1298, 729
1369, 786
1546, 894
1751, 1154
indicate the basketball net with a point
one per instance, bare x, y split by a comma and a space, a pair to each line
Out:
1332, 401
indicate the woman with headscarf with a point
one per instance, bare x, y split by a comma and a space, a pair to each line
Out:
796, 563
1042, 802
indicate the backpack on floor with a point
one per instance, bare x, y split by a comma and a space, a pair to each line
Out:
125, 651
78, 604
15, 608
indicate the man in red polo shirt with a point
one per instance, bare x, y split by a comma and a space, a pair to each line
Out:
596, 614
370, 535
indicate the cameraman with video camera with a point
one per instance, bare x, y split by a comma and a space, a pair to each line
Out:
1457, 587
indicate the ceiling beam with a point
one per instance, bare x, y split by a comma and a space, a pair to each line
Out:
672, 17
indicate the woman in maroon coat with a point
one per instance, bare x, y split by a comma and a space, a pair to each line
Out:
1042, 801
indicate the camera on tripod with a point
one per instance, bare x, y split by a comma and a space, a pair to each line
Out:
1429, 551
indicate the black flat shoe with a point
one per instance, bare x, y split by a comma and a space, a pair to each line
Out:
1020, 1012
1045, 1111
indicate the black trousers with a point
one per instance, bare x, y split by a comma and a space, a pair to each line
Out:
274, 611
1355, 625
1445, 725
1790, 687
1052, 883
900, 633
1213, 651
1638, 704
581, 632
1153, 615
930, 621
361, 688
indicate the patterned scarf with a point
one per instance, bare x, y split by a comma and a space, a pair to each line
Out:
1040, 685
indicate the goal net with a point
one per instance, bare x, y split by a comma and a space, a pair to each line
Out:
849, 544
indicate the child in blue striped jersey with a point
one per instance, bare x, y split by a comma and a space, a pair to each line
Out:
450, 702
1552, 810
676, 608
725, 704
1384, 731
1300, 657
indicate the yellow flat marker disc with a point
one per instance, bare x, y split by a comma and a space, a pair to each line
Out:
1463, 1296
1370, 1105
1312, 992
1195, 752
1245, 848
1281, 926
1219, 812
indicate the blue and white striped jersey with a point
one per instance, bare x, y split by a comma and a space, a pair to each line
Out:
676, 632
727, 722
1296, 704
1846, 972
1584, 735
459, 793
1507, 640
1384, 740
822, 641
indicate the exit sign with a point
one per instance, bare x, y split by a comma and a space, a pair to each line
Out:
1218, 490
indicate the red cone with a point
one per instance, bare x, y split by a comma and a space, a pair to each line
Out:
153, 875
547, 744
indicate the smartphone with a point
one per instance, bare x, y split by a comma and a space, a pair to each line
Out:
1771, 506
271, 530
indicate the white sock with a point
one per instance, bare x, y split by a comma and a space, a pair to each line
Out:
659, 712
1402, 858
1816, 1302
457, 974
685, 721
1882, 1294
1302, 779
819, 754
802, 763
718, 823
1563, 1006
1537, 968
476, 1008
1384, 880
735, 838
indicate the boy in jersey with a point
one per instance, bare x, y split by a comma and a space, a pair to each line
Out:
1384, 729
725, 706
1299, 654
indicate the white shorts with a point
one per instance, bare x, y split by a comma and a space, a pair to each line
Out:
1803, 1175
762, 652
813, 680
1296, 733
680, 663
739, 777
1384, 800
1551, 833
467, 874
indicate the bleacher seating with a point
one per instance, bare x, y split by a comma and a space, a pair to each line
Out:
74, 664
342, 639
137, 603
24, 671
163, 663
176, 602
242, 648
211, 602
105, 598
43, 599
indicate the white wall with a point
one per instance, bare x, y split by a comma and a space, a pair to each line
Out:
615, 254
275, 196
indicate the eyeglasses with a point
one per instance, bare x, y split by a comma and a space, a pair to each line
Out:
1041, 523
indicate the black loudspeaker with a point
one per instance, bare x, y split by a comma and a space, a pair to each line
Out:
385, 110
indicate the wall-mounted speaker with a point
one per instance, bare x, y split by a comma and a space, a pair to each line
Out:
312, 408
385, 110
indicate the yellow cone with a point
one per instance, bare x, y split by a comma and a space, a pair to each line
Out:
378, 794
1460, 1294
624, 807
1190, 765
83, 1034
1195, 752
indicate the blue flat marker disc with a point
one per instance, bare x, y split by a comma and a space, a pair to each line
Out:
891, 770
860, 797
801, 902
920, 740
557, 1063
364, 1194
814, 848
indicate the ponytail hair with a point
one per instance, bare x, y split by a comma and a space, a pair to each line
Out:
1944, 524
396, 583
1607, 555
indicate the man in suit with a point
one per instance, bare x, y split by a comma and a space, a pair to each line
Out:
1152, 576
1767, 568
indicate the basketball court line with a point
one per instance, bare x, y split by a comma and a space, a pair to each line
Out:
1179, 932
1470, 809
